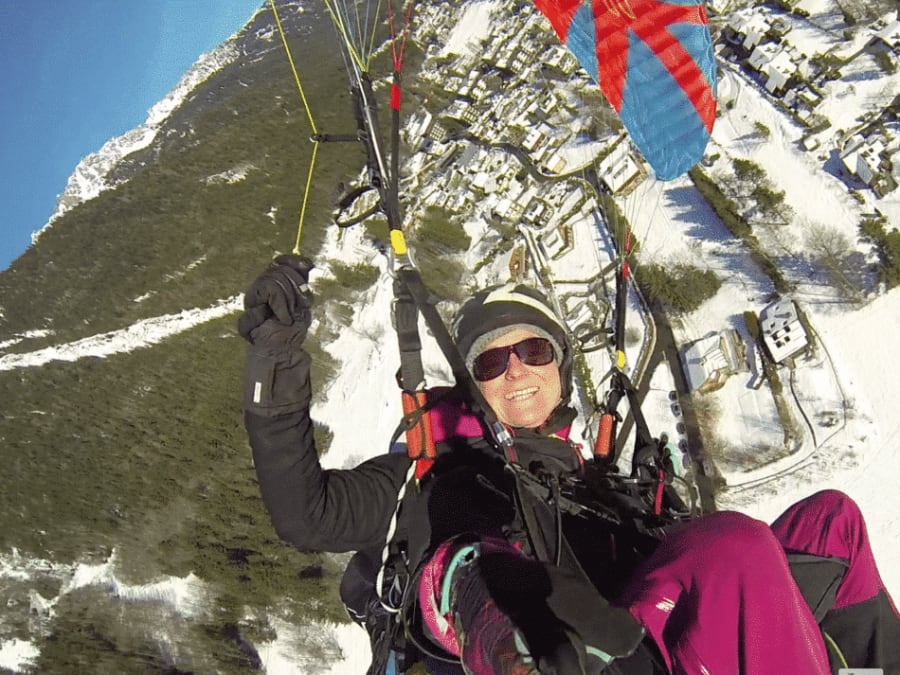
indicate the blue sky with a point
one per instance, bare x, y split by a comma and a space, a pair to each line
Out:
79, 72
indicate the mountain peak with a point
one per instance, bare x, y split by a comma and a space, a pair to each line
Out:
92, 175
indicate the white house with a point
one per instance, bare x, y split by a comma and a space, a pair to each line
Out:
850, 150
762, 55
484, 181
890, 34
419, 126
782, 332
775, 63
779, 70
862, 157
461, 110
868, 161
753, 28
619, 168
711, 360
562, 59
536, 212
536, 136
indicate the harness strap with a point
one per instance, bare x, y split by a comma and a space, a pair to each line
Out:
386, 552
417, 419
420, 443
605, 445
646, 461
499, 435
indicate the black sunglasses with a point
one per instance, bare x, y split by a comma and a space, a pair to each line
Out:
533, 351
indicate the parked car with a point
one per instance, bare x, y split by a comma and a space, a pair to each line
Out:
681, 458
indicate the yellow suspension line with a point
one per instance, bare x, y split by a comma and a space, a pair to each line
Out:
842, 661
312, 124
338, 20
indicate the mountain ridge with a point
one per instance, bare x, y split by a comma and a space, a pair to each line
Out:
141, 454
89, 177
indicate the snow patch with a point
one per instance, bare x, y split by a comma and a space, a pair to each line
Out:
473, 26
17, 655
184, 595
230, 176
345, 646
27, 335
141, 334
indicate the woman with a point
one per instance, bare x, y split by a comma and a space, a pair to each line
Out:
496, 576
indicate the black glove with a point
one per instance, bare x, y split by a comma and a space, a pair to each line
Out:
275, 321
560, 613
567, 626
277, 305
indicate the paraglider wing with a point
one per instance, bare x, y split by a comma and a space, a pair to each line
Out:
654, 63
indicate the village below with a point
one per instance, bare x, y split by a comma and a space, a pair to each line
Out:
806, 98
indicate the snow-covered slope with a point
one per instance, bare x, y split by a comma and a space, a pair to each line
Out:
91, 176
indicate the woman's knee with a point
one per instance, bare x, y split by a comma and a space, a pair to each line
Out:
735, 538
814, 518
832, 501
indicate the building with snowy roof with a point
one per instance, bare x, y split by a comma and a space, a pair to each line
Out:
868, 161
777, 64
783, 334
711, 360
619, 169
873, 159
752, 28
890, 34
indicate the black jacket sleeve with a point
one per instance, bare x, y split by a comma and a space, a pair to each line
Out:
311, 508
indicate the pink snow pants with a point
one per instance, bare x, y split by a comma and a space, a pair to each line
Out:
718, 597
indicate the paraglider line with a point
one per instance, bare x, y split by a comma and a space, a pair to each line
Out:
312, 124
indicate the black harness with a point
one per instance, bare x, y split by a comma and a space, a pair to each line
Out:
614, 513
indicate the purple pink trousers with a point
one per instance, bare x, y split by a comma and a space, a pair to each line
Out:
718, 597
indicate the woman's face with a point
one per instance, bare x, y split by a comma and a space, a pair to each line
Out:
523, 396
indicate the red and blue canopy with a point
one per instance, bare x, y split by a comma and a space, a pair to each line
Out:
654, 63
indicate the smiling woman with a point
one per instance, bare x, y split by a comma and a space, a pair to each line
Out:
511, 551
527, 390
514, 344
83, 72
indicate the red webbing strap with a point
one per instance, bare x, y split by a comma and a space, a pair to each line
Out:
420, 444
660, 489
395, 96
605, 445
